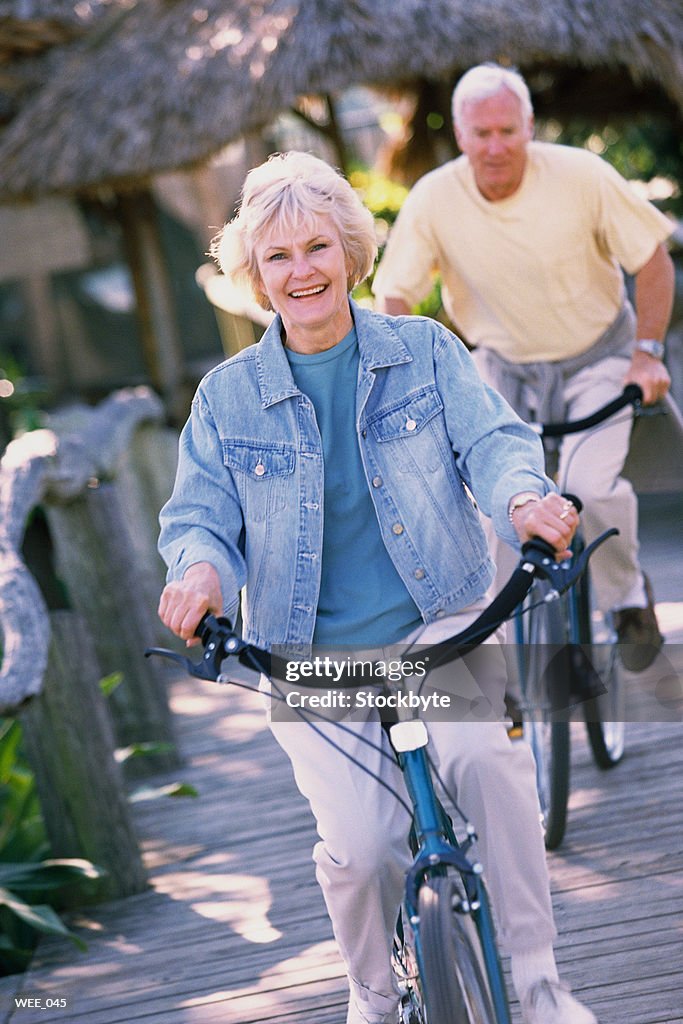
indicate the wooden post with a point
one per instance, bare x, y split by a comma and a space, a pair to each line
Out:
156, 312
70, 745
99, 559
42, 338
145, 474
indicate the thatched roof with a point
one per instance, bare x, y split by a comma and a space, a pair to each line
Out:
158, 85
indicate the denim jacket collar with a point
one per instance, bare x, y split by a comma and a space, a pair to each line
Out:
378, 343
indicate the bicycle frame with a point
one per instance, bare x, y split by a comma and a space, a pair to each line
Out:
438, 848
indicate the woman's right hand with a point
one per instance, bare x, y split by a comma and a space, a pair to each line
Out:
184, 602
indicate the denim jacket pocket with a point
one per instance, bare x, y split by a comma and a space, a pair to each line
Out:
262, 472
410, 430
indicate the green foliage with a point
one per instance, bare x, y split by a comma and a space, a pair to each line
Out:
21, 400
31, 888
173, 789
110, 683
149, 749
22, 832
28, 895
383, 199
382, 196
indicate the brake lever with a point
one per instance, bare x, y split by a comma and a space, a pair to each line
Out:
219, 641
562, 575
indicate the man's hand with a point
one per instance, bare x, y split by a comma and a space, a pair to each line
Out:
183, 603
652, 376
553, 519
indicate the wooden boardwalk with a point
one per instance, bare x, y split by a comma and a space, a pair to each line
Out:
233, 928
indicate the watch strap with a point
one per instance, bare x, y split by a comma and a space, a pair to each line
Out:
651, 346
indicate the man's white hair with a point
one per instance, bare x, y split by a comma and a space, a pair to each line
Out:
486, 80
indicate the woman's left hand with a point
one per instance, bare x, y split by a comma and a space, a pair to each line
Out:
553, 519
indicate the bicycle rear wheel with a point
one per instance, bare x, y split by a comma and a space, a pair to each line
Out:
455, 986
605, 715
545, 701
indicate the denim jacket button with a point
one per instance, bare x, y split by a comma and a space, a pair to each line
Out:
397, 529
260, 469
419, 574
410, 424
377, 481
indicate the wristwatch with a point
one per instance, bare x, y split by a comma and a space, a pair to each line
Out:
651, 346
521, 499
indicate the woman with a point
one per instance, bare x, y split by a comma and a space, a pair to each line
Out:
327, 473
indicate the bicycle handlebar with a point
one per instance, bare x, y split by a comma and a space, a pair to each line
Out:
538, 559
631, 395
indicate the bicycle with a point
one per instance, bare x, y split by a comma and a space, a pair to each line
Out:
567, 654
445, 955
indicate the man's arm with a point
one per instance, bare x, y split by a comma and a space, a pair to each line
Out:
394, 307
654, 291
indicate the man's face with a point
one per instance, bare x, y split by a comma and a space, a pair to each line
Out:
494, 134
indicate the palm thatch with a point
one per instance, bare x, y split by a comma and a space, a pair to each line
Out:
158, 85
32, 34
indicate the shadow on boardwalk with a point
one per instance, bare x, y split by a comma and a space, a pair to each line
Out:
233, 929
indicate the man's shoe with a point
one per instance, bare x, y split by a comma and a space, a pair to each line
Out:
638, 633
551, 1002
514, 714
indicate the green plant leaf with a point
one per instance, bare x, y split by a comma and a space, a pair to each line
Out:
110, 683
48, 875
149, 749
42, 918
154, 792
10, 737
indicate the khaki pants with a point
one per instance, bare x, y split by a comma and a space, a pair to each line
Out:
362, 856
590, 464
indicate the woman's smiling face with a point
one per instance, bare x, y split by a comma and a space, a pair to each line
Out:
304, 273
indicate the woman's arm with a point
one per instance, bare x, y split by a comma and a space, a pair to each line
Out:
201, 530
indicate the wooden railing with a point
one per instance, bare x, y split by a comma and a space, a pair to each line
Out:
98, 478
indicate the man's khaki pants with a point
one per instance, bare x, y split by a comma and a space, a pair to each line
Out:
590, 465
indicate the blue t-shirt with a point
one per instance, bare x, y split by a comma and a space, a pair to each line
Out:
363, 600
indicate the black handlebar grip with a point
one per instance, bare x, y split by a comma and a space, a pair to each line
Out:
538, 545
633, 392
206, 622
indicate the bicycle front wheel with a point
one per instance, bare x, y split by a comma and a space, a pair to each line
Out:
456, 990
412, 1008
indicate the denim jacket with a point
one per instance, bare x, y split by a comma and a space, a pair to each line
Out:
248, 496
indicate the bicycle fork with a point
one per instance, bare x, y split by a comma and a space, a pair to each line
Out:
439, 849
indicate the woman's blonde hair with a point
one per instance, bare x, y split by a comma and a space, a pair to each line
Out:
289, 190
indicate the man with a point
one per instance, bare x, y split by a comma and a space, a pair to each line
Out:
529, 239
